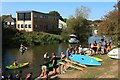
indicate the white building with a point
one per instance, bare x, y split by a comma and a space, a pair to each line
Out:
62, 24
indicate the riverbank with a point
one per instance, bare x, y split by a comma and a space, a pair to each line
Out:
13, 38
108, 69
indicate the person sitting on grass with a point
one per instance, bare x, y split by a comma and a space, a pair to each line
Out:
104, 48
80, 50
45, 70
63, 66
98, 48
109, 44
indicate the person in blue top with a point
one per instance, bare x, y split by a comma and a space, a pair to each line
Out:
67, 53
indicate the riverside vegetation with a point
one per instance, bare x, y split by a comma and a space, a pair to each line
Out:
12, 38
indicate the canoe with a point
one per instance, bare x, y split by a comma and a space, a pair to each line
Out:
96, 58
114, 53
19, 66
82, 59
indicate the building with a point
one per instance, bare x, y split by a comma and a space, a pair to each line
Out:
9, 22
36, 21
62, 24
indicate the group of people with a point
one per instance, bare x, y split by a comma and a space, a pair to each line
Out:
53, 60
94, 48
100, 48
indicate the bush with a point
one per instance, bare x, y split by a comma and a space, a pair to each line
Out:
12, 37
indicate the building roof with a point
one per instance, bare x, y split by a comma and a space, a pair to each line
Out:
9, 19
29, 11
34, 11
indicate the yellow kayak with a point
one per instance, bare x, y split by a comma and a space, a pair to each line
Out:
96, 58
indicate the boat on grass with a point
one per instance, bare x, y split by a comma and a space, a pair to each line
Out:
114, 53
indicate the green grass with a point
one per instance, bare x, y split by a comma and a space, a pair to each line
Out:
97, 71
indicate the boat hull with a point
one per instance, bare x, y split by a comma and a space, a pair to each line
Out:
115, 53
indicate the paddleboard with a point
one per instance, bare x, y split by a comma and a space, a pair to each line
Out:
84, 60
114, 53
96, 58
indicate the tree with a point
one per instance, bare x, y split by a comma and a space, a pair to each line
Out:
109, 25
78, 24
54, 13
5, 16
82, 11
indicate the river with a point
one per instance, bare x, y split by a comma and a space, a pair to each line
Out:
34, 55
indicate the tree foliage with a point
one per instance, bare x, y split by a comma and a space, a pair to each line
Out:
109, 25
5, 16
54, 13
78, 24
82, 11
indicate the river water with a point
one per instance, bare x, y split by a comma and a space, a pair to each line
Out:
34, 55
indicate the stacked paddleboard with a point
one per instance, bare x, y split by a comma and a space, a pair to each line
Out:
86, 60
114, 53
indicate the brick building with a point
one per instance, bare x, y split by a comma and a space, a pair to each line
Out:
36, 21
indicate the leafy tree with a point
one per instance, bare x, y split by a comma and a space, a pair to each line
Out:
65, 19
109, 25
82, 11
54, 13
5, 16
78, 24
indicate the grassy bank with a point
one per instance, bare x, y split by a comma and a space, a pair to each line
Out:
108, 69
13, 38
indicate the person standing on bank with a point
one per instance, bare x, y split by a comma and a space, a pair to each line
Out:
54, 63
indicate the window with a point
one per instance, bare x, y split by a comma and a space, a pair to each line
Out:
46, 27
20, 16
25, 25
22, 26
41, 16
18, 25
46, 17
27, 16
29, 26
35, 15
24, 16
41, 27
12, 23
35, 26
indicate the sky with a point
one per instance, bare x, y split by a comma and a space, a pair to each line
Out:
66, 9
